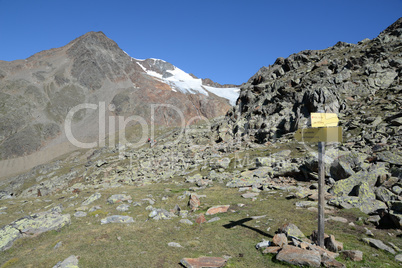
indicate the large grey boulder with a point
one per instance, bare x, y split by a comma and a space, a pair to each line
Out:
300, 257
366, 206
379, 244
117, 219
32, 225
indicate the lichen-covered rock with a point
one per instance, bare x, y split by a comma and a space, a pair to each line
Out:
246, 178
91, 199
391, 157
41, 222
366, 206
8, 235
345, 187
70, 262
217, 209
384, 195
117, 198
354, 255
161, 214
117, 219
32, 225
379, 244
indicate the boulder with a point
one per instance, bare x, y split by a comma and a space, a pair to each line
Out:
91, 199
123, 207
206, 262
70, 262
8, 235
280, 240
117, 198
161, 214
42, 222
217, 209
32, 225
249, 195
80, 214
366, 206
378, 244
297, 256
291, 230
390, 157
346, 186
384, 195
200, 219
186, 221
332, 245
194, 202
354, 255
271, 250
117, 219
331, 262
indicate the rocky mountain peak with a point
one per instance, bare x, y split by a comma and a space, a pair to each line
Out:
92, 40
96, 57
394, 29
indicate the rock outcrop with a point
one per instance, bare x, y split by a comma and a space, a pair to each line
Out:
341, 79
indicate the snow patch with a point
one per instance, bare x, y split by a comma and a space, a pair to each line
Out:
185, 83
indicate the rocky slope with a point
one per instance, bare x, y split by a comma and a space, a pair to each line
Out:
36, 94
342, 79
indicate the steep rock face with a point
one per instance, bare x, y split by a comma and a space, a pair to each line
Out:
37, 94
279, 99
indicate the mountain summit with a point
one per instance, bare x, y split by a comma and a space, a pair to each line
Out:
37, 94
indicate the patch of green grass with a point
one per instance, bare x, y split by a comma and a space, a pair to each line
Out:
144, 242
10, 262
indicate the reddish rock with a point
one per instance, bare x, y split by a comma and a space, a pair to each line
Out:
271, 250
324, 251
354, 255
207, 262
297, 256
280, 240
217, 209
304, 245
200, 219
194, 202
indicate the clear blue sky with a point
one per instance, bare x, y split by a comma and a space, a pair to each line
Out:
225, 40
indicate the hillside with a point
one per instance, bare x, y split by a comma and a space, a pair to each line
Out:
38, 93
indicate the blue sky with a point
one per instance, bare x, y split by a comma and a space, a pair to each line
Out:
225, 40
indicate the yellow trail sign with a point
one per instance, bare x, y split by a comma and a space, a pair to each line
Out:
324, 120
321, 134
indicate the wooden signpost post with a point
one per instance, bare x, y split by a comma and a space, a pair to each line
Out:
324, 129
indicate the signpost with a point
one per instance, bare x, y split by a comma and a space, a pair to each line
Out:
324, 129
324, 120
321, 134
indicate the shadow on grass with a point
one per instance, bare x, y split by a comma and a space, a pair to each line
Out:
241, 223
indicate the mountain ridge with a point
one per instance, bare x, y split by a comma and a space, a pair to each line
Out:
38, 92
